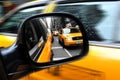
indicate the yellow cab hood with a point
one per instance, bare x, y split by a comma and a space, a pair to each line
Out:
73, 35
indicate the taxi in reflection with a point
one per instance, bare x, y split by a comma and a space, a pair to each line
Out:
70, 37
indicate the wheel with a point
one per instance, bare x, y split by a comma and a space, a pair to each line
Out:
63, 44
59, 41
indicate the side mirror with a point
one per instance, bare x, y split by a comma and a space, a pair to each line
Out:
36, 47
46, 48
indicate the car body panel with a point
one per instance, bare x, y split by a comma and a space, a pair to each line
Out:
94, 66
46, 53
104, 59
6, 41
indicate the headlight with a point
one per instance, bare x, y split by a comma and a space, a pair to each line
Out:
68, 38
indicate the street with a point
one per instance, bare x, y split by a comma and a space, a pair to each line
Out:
62, 53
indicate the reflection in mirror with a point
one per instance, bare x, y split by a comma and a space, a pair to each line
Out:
59, 38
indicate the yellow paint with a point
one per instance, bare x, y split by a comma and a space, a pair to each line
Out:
6, 41
40, 44
46, 52
104, 59
66, 72
63, 38
50, 7
97, 65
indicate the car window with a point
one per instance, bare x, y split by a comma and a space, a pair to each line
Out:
68, 31
12, 24
100, 19
34, 40
74, 30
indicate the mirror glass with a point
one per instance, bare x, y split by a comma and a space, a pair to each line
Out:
53, 38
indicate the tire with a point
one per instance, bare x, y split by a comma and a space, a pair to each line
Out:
59, 41
63, 44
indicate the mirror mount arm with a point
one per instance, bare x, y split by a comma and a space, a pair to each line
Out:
12, 58
3, 74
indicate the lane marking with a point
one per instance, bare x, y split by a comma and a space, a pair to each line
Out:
68, 52
57, 40
56, 47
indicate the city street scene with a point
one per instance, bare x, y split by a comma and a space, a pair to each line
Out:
64, 39
61, 53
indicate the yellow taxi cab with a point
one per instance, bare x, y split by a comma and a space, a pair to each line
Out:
70, 36
31, 49
102, 61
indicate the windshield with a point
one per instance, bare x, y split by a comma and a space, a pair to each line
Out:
13, 23
100, 19
68, 31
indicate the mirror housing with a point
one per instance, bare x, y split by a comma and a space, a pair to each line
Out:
44, 24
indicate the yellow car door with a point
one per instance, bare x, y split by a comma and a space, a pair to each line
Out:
6, 41
102, 61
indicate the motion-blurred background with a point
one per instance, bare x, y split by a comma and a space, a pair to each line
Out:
7, 5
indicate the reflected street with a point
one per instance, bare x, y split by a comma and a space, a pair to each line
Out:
62, 53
